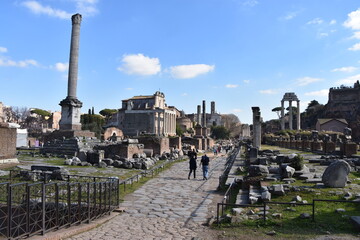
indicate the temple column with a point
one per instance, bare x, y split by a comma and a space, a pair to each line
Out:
298, 116
282, 116
290, 116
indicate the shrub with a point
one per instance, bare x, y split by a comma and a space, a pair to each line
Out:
297, 162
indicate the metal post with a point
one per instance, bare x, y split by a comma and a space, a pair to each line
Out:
79, 202
57, 205
88, 203
9, 219
43, 208
69, 203
217, 213
28, 209
264, 217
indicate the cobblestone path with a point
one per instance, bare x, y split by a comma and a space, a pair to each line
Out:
167, 207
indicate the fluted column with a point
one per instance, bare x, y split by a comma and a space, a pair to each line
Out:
290, 116
298, 116
282, 116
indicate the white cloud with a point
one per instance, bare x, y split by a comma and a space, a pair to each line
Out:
246, 81
315, 21
250, 3
268, 91
138, 64
237, 110
356, 35
129, 88
323, 34
332, 22
37, 8
349, 80
62, 67
184, 94
3, 49
307, 80
355, 47
87, 7
231, 85
321, 93
24, 63
353, 20
344, 69
190, 71
290, 16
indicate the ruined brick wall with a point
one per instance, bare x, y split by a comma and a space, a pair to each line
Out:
110, 131
7, 142
120, 149
175, 142
158, 144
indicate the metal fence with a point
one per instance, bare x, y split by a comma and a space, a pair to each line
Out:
27, 209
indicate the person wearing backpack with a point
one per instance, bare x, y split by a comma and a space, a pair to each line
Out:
205, 166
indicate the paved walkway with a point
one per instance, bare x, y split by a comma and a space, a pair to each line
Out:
167, 207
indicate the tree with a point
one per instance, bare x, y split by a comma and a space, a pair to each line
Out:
93, 123
220, 132
107, 113
16, 114
179, 131
278, 111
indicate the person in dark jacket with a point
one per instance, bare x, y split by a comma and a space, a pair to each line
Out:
205, 166
193, 165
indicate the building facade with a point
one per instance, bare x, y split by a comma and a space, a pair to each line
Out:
145, 115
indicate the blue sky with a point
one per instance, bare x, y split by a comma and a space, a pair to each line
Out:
238, 53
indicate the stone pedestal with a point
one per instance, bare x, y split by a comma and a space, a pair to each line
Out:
348, 149
329, 147
70, 114
7, 143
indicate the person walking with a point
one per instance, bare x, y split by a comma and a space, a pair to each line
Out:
205, 166
193, 165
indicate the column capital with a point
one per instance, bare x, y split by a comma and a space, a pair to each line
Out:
76, 19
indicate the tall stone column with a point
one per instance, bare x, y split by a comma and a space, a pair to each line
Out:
198, 117
298, 116
204, 114
290, 116
70, 106
282, 116
256, 127
212, 107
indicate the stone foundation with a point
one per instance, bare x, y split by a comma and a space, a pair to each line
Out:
7, 143
158, 144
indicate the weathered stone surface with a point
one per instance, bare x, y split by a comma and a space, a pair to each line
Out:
305, 216
287, 171
356, 221
336, 174
278, 189
108, 161
258, 170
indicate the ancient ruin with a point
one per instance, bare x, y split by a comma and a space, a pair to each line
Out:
290, 97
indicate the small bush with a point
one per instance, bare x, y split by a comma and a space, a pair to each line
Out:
297, 162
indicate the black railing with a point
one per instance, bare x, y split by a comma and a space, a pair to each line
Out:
28, 209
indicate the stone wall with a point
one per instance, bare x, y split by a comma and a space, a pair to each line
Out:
175, 142
121, 149
7, 142
158, 144
109, 132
